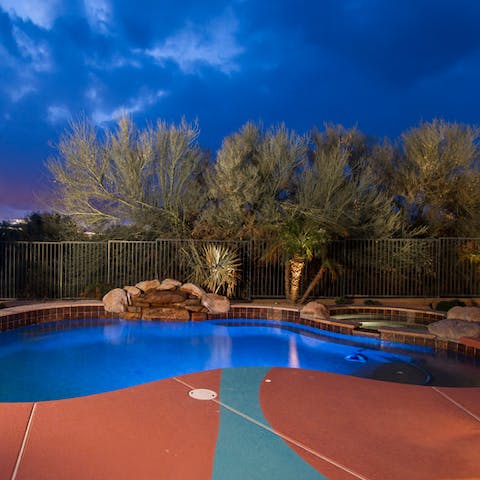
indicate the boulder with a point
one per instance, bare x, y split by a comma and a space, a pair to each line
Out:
469, 314
132, 291
115, 301
315, 309
453, 329
133, 309
164, 297
195, 308
148, 285
215, 303
198, 316
193, 290
166, 314
169, 284
193, 305
140, 302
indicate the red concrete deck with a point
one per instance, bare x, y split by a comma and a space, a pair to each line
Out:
345, 428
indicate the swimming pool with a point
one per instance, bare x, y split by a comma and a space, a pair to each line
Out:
75, 358
372, 321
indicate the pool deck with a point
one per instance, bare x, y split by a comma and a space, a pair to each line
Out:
266, 423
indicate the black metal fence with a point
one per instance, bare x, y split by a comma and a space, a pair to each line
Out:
367, 268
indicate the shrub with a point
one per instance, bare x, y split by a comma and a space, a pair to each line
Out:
343, 301
215, 267
96, 290
446, 305
369, 301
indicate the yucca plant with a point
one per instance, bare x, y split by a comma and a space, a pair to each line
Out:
215, 267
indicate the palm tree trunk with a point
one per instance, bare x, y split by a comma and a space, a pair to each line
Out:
313, 283
287, 279
296, 267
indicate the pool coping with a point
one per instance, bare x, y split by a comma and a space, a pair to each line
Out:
25, 315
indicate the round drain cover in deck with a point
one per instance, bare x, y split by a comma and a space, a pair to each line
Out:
202, 394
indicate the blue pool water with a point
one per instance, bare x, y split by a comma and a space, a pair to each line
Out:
70, 359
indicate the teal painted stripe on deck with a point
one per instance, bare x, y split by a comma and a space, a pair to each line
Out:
244, 450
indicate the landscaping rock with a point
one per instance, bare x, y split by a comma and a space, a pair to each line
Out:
148, 285
470, 314
164, 297
453, 329
132, 291
140, 302
133, 309
315, 309
198, 316
193, 305
195, 308
115, 301
215, 303
166, 314
169, 284
193, 289
168, 300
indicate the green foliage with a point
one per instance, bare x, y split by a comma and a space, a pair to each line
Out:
253, 174
43, 227
343, 301
435, 178
133, 183
340, 198
470, 252
150, 178
293, 238
446, 305
96, 290
215, 267
371, 302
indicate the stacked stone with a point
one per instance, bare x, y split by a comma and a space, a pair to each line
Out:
460, 322
169, 300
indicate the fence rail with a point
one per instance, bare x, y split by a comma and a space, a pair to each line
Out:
366, 268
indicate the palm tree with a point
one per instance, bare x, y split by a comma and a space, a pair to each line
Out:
297, 243
327, 264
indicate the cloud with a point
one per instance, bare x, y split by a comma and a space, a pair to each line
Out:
40, 12
113, 62
58, 114
135, 105
99, 13
20, 91
193, 47
36, 53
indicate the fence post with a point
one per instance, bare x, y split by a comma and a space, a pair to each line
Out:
437, 251
60, 270
14, 271
249, 260
108, 263
156, 259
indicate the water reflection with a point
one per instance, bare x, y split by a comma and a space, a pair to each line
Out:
293, 361
220, 350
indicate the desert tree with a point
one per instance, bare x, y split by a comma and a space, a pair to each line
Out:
42, 227
337, 199
253, 175
151, 178
435, 178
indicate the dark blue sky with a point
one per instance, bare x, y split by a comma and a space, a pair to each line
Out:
383, 65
